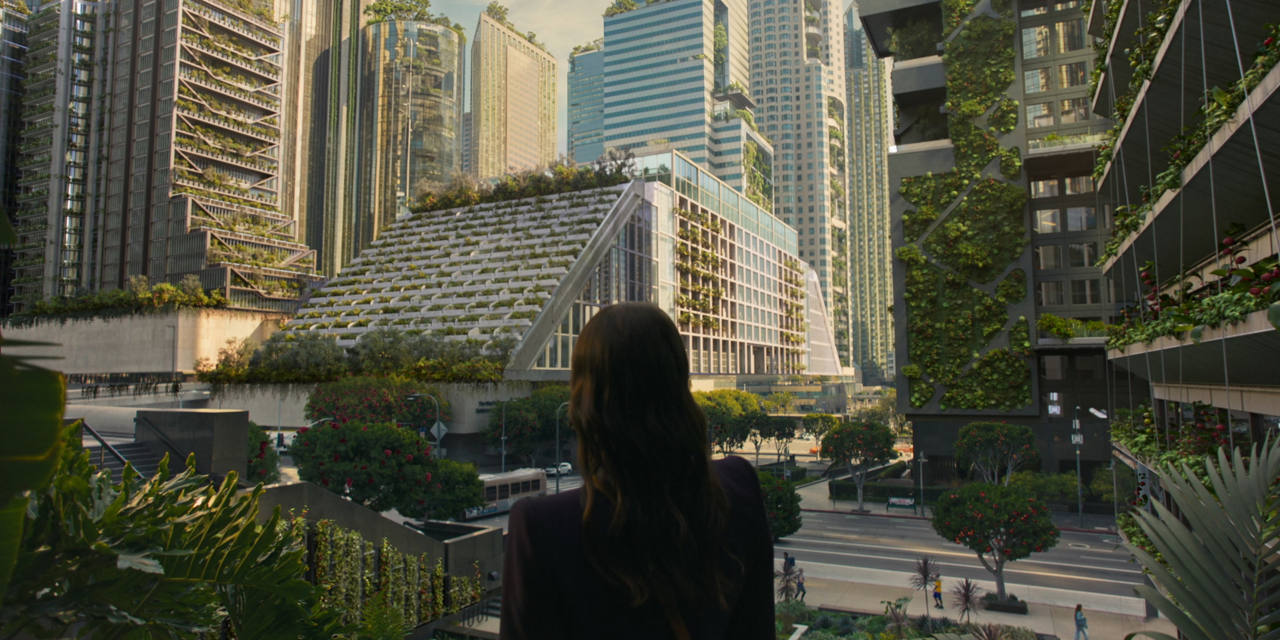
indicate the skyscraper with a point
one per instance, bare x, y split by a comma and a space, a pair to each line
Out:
193, 162
63, 111
409, 116
13, 53
586, 102
798, 79
513, 100
992, 200
870, 128
677, 77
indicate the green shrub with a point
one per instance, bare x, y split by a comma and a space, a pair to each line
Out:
782, 505
376, 399
264, 460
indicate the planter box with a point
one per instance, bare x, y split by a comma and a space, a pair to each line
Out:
1006, 606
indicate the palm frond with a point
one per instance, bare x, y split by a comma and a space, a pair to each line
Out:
1221, 572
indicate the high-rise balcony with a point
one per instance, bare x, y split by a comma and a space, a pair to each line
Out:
919, 20
1221, 186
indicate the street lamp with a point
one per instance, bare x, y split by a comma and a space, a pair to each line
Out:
504, 436
922, 459
563, 405
438, 429
1078, 440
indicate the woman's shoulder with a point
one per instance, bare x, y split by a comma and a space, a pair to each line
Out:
737, 476
547, 514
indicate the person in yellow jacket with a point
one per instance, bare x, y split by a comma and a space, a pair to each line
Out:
937, 593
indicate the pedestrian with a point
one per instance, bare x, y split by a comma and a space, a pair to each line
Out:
800, 584
788, 561
660, 541
1082, 624
937, 593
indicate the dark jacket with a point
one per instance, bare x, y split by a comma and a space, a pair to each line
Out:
549, 590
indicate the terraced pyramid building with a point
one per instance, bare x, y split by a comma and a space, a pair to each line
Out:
535, 270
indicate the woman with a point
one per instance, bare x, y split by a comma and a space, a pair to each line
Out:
660, 542
1082, 624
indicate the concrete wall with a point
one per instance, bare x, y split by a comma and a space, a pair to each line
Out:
219, 439
460, 545
143, 343
273, 405
284, 405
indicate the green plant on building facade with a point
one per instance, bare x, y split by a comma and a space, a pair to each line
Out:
966, 231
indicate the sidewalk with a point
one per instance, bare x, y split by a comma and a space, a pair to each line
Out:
1041, 618
814, 497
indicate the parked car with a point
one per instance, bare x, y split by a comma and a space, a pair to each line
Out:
563, 469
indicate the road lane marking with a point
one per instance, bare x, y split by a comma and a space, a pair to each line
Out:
958, 554
1008, 568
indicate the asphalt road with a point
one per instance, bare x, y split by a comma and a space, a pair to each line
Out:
871, 548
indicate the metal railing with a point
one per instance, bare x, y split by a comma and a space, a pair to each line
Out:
104, 448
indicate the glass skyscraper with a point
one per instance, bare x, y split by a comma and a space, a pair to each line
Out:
677, 77
409, 116
586, 102
870, 128
798, 79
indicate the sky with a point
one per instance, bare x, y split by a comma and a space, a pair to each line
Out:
559, 24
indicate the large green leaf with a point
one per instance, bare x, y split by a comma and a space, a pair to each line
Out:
1221, 572
32, 424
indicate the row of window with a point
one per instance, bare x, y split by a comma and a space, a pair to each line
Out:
1071, 186
1063, 76
1068, 219
1060, 37
1054, 292
1059, 256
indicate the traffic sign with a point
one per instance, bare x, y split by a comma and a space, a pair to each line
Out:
439, 430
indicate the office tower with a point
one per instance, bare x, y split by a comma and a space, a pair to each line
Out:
992, 200
13, 53
677, 77
193, 161
513, 100
798, 79
467, 144
1192, 191
586, 102
870, 128
408, 116
63, 110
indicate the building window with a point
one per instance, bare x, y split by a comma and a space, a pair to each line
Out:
1073, 110
1070, 35
1074, 74
1035, 80
1082, 254
1035, 42
1049, 294
1044, 188
1085, 292
1048, 221
1049, 257
1077, 185
1053, 367
1039, 115
1081, 219
1034, 9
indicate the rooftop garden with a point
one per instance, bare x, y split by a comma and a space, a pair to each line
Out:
140, 296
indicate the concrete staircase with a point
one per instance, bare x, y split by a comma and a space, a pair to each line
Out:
139, 455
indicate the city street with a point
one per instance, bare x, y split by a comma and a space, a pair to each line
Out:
873, 549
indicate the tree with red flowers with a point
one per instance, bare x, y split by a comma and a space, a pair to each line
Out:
859, 445
382, 466
994, 450
999, 523
781, 505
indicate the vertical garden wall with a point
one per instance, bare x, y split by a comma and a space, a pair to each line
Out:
964, 233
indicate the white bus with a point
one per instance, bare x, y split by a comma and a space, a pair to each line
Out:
501, 490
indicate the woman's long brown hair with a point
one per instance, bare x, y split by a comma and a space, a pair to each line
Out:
642, 446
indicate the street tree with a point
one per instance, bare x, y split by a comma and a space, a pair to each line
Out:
723, 409
781, 431
992, 451
999, 523
781, 505
816, 425
383, 466
517, 421
859, 446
